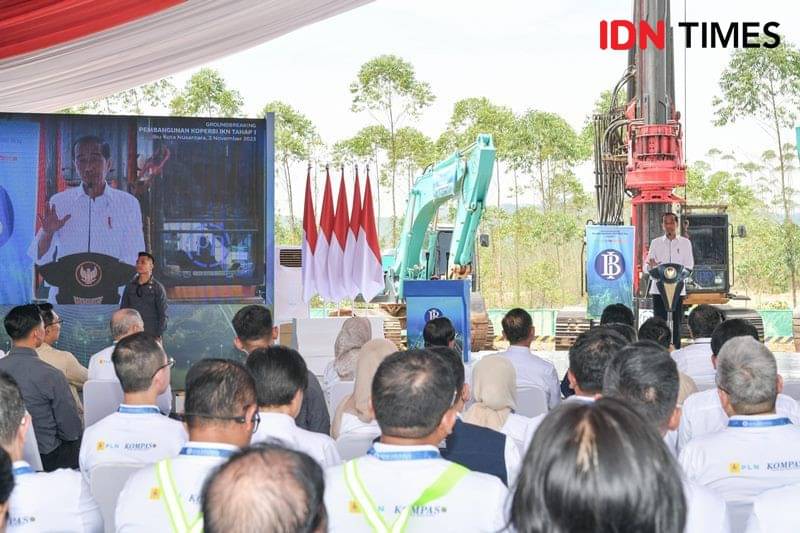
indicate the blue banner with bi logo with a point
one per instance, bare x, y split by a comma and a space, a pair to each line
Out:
430, 299
609, 267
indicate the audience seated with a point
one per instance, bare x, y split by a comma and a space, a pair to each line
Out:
623, 329
532, 371
617, 314
703, 412
53, 501
6, 486
354, 415
657, 330
138, 432
281, 377
588, 357
598, 467
775, 510
439, 332
75, 372
403, 481
222, 415
123, 322
268, 489
645, 377
45, 390
695, 359
355, 333
494, 388
478, 448
253, 327
757, 450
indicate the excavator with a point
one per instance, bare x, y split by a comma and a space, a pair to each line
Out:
638, 154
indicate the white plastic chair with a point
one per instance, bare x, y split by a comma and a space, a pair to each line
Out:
531, 402
107, 481
338, 393
792, 388
30, 451
352, 446
100, 399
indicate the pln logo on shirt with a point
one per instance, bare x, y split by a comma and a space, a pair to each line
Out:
609, 264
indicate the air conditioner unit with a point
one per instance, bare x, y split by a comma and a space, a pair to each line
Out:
289, 302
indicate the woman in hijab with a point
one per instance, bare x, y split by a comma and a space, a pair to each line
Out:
355, 332
494, 388
354, 414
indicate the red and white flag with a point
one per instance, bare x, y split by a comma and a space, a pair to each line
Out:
309, 243
367, 268
340, 283
352, 239
324, 241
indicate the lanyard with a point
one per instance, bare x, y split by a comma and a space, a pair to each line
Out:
20, 470
758, 423
443, 484
177, 514
207, 452
404, 456
143, 410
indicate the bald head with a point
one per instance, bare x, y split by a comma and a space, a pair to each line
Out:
265, 488
125, 322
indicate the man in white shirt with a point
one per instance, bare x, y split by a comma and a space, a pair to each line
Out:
403, 483
775, 510
281, 378
53, 501
265, 488
670, 248
759, 449
532, 370
588, 357
221, 414
703, 412
124, 322
137, 433
645, 377
695, 359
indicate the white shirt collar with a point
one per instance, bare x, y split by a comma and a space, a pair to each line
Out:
520, 349
19, 464
576, 398
388, 448
272, 421
216, 445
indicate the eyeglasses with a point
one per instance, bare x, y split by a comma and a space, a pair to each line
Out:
54, 323
256, 420
170, 363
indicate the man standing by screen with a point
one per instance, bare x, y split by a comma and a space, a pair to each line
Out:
148, 296
93, 217
670, 248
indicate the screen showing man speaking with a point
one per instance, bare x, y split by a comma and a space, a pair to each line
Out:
81, 196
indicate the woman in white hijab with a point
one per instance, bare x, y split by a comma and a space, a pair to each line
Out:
355, 332
494, 388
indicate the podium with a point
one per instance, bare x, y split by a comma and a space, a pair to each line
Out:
669, 279
87, 278
429, 299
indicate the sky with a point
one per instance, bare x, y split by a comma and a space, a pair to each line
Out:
521, 54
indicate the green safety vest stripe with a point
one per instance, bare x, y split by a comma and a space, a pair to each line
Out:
177, 514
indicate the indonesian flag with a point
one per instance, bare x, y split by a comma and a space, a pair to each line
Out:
352, 238
309, 243
339, 283
367, 268
324, 241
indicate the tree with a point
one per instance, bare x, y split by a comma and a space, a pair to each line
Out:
295, 138
388, 89
131, 101
366, 144
207, 94
764, 84
414, 151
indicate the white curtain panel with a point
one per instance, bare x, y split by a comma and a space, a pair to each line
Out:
151, 48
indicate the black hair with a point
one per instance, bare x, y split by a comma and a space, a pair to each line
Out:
735, 327
656, 329
279, 372
590, 354
46, 311
517, 324
669, 214
411, 392
453, 360
21, 320
266, 488
598, 467
623, 329
217, 388
12, 408
703, 319
617, 314
136, 360
105, 148
147, 254
438, 332
252, 323
646, 377
6, 476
